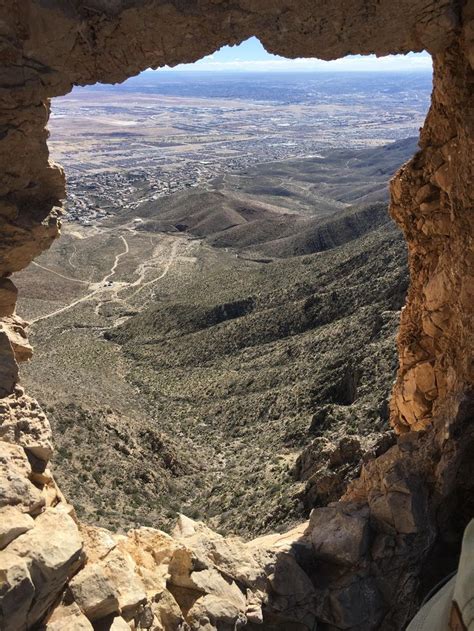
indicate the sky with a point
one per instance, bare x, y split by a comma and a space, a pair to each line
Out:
251, 56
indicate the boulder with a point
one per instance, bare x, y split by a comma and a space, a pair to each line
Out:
98, 542
229, 554
119, 624
70, 617
340, 533
94, 593
8, 365
167, 614
8, 295
111, 582
152, 551
120, 570
16, 591
212, 613
15, 327
52, 551
13, 523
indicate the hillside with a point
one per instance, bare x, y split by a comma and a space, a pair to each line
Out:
288, 208
254, 369
230, 347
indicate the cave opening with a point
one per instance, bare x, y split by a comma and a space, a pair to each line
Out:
243, 213
365, 561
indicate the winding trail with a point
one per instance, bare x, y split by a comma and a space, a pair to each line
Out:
168, 264
101, 286
116, 261
98, 286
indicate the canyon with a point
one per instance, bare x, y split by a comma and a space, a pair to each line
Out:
363, 562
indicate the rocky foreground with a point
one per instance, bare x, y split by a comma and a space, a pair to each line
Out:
60, 574
65, 575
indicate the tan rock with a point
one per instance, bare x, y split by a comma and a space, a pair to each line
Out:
110, 584
438, 290
211, 582
52, 551
152, 551
425, 378
229, 554
94, 593
15, 328
98, 542
167, 614
429, 207
15, 486
13, 523
99, 43
23, 422
119, 624
16, 591
69, 617
425, 192
120, 570
8, 365
213, 613
442, 178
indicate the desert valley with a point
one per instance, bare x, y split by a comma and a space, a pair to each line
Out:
215, 330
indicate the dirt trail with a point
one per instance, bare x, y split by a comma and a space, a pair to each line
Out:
168, 264
51, 271
116, 261
101, 286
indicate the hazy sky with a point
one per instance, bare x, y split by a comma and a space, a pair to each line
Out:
251, 56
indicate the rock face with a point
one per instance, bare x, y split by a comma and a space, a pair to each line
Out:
362, 561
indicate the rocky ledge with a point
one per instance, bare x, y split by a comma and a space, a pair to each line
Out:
343, 569
58, 574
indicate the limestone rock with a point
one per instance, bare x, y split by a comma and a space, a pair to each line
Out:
49, 46
70, 617
152, 551
24, 423
15, 328
229, 554
98, 542
94, 593
120, 570
15, 486
8, 296
231, 581
8, 365
13, 522
119, 624
122, 573
52, 551
211, 613
16, 591
127, 575
167, 613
